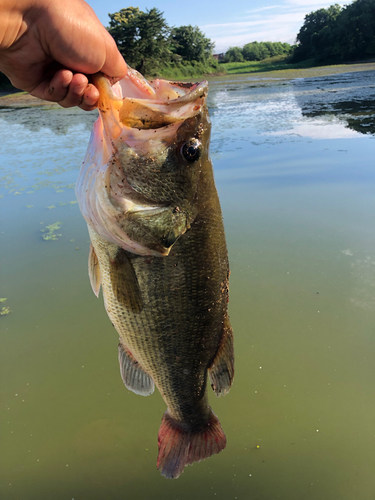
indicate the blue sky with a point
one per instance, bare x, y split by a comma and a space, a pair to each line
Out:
229, 23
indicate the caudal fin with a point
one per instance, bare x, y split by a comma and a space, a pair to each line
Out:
179, 447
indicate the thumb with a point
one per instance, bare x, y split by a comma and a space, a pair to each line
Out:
114, 65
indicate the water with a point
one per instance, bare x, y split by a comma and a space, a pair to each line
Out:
294, 166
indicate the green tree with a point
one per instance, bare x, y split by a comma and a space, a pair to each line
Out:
337, 34
191, 44
257, 51
356, 31
316, 37
142, 38
254, 51
234, 54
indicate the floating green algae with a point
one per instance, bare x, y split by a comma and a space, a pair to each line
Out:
4, 310
74, 202
29, 206
51, 207
50, 233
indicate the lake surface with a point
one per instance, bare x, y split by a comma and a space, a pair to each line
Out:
294, 166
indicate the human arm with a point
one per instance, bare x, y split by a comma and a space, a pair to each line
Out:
47, 47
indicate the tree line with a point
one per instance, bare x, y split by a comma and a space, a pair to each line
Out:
257, 51
148, 44
338, 33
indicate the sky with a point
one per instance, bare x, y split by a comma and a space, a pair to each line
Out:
230, 23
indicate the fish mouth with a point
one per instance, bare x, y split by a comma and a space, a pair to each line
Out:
135, 103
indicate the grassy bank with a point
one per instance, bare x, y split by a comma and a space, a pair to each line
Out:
281, 63
271, 64
194, 69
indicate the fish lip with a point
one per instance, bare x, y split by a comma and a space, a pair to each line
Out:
197, 90
104, 83
143, 114
135, 103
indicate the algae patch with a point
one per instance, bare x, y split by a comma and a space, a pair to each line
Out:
50, 231
4, 310
61, 204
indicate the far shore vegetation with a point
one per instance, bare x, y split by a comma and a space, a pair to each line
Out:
329, 36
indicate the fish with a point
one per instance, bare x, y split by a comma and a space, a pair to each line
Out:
158, 251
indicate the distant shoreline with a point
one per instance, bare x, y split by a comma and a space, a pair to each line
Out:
313, 71
15, 99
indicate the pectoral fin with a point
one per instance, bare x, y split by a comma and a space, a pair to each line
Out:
221, 371
94, 271
124, 282
157, 229
134, 378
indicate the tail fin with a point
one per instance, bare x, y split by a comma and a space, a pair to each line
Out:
179, 447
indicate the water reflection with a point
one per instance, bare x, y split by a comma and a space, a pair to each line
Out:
57, 120
349, 97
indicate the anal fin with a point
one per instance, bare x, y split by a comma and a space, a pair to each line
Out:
94, 271
221, 371
133, 376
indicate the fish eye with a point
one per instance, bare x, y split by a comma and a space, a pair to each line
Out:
192, 150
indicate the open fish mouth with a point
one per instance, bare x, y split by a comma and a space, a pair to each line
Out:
137, 103
138, 120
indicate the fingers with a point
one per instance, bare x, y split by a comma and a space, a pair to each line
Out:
68, 90
80, 93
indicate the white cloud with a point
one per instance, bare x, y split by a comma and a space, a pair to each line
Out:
263, 9
312, 4
283, 26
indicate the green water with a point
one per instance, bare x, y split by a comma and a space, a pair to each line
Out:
294, 165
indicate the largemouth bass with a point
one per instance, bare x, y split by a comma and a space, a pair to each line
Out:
158, 250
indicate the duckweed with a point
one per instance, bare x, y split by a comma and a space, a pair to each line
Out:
4, 311
68, 203
50, 231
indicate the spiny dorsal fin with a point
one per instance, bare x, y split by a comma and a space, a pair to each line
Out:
94, 271
124, 282
221, 371
133, 376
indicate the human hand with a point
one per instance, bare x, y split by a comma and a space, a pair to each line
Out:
47, 47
